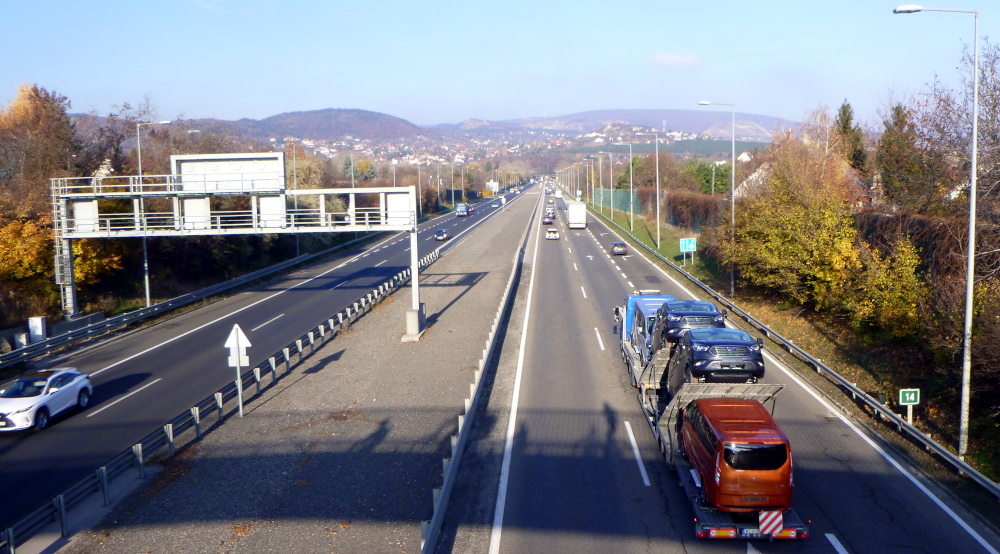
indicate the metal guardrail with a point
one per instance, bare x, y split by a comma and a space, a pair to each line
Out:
857, 395
114, 323
55, 510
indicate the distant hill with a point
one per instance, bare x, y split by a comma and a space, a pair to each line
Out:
334, 124
330, 123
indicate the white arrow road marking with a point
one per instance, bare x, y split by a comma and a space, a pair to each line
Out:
590, 258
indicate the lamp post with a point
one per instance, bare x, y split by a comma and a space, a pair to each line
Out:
732, 196
970, 266
295, 185
611, 181
631, 193
138, 152
656, 149
600, 180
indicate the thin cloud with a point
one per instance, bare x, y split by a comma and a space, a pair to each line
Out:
682, 61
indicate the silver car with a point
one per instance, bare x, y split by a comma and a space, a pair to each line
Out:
33, 399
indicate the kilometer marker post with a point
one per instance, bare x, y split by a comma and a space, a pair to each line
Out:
237, 343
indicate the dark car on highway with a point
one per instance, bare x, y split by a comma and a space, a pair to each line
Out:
679, 315
441, 234
716, 356
619, 248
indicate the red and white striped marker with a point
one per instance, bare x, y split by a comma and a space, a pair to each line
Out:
771, 523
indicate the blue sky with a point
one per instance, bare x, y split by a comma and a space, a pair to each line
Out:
446, 61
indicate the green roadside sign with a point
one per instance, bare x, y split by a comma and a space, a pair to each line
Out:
909, 397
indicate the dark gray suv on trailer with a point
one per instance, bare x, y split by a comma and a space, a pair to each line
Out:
679, 315
717, 356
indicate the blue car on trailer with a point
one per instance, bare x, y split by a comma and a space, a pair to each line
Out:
641, 340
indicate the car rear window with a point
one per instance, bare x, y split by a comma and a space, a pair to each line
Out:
755, 456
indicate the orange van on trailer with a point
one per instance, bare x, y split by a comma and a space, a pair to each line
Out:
740, 454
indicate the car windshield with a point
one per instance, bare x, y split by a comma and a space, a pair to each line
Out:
719, 334
691, 306
755, 456
24, 388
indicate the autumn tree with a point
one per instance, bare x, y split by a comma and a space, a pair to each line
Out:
36, 143
912, 171
796, 236
852, 139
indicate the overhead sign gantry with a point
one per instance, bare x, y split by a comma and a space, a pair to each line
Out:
215, 194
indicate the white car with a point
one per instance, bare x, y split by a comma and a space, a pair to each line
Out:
33, 399
552, 234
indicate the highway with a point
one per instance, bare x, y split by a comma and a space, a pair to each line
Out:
146, 377
556, 469
562, 459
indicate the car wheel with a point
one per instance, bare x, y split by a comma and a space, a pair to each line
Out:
688, 378
83, 399
41, 419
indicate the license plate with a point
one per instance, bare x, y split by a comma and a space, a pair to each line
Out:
755, 499
749, 532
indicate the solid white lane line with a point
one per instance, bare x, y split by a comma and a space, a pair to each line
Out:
95, 412
508, 446
836, 543
599, 341
638, 458
583, 291
266, 322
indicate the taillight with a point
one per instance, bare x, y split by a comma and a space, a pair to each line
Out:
718, 469
791, 471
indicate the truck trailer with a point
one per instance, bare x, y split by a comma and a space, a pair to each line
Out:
576, 215
665, 392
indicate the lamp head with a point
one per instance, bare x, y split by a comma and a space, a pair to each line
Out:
704, 103
908, 8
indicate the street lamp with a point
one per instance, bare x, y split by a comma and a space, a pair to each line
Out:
970, 267
732, 196
600, 180
657, 150
145, 257
631, 193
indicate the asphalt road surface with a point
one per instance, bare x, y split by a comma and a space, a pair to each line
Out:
554, 466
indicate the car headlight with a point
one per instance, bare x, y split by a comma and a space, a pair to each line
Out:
22, 410
718, 318
701, 347
755, 348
